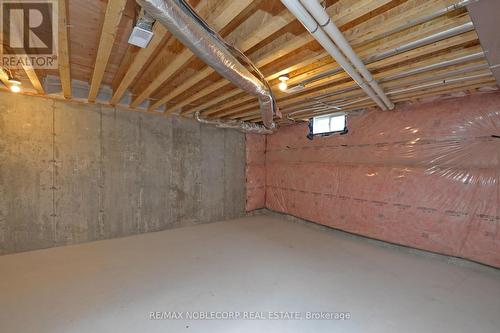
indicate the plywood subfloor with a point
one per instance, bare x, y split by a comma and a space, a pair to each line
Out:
251, 264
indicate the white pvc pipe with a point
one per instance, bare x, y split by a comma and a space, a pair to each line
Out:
403, 48
442, 64
439, 83
413, 88
296, 8
323, 19
466, 27
423, 19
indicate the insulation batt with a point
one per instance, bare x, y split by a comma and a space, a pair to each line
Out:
425, 176
255, 171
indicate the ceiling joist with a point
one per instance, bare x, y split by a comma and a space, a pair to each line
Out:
63, 56
109, 30
219, 22
166, 75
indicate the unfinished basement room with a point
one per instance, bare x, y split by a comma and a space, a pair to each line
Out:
229, 166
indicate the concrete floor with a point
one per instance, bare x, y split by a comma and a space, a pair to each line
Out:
255, 264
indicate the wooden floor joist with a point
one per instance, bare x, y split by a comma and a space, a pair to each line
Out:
63, 56
140, 60
388, 62
220, 21
109, 30
332, 87
305, 38
430, 93
4, 77
166, 75
264, 32
34, 79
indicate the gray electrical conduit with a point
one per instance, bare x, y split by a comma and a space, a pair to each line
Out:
180, 23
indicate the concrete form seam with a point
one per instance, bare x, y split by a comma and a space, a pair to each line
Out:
54, 166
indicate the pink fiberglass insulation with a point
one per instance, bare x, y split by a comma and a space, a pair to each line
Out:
255, 171
425, 176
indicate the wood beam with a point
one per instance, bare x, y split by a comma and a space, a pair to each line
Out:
247, 112
114, 11
488, 82
4, 77
398, 15
222, 19
262, 32
33, 77
343, 11
324, 84
398, 97
140, 60
63, 56
365, 51
217, 100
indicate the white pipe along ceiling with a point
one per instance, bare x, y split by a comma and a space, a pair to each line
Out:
310, 23
321, 16
405, 47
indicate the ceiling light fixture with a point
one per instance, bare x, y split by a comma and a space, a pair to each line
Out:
14, 81
283, 78
15, 84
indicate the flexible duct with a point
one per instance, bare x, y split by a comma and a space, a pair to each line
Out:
145, 21
245, 127
180, 22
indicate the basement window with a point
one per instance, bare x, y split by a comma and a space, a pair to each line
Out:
327, 125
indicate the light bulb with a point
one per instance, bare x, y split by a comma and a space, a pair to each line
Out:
15, 88
14, 81
283, 86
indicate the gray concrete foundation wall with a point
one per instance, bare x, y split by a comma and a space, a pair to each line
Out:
72, 173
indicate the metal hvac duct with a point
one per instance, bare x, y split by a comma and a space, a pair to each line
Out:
243, 126
180, 20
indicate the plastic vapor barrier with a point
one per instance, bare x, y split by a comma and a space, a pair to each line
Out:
255, 171
425, 176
